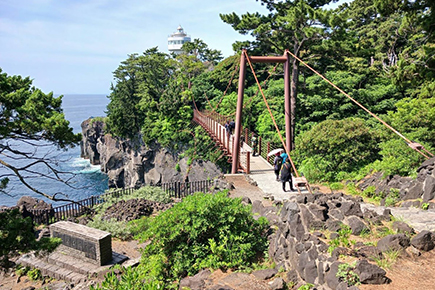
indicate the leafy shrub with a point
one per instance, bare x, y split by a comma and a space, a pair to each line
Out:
336, 186
342, 240
34, 274
392, 198
118, 229
131, 278
17, 235
307, 286
203, 231
152, 193
346, 273
425, 206
337, 146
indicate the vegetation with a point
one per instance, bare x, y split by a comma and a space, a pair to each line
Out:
122, 229
17, 236
346, 273
203, 231
380, 54
342, 240
29, 120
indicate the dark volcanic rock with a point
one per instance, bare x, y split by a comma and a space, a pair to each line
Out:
370, 274
33, 203
394, 242
196, 282
423, 241
130, 163
133, 209
402, 227
264, 274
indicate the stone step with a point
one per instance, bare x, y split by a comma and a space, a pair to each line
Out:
53, 271
61, 266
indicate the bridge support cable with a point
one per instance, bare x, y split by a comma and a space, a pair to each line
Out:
299, 181
414, 145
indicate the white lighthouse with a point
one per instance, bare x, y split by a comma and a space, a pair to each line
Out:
177, 39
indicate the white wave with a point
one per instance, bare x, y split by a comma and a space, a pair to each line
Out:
83, 166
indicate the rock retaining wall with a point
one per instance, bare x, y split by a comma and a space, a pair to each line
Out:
298, 246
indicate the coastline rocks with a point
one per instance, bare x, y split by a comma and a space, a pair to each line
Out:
130, 163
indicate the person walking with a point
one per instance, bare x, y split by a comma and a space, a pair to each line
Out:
284, 157
254, 143
286, 175
277, 163
228, 129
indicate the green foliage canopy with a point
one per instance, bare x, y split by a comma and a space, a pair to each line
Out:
30, 119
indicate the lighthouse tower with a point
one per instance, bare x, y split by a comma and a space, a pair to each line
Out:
177, 39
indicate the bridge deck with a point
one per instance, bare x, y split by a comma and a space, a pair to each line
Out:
263, 174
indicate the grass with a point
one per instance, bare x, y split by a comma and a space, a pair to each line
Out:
389, 258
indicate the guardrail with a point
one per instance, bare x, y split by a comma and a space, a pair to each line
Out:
77, 208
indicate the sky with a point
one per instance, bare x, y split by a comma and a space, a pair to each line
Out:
73, 46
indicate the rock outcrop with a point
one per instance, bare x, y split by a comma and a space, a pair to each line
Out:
423, 187
130, 163
300, 248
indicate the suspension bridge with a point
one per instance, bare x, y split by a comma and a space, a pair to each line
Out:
237, 146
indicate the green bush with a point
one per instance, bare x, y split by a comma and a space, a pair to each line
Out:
332, 146
17, 236
131, 278
118, 229
342, 240
203, 231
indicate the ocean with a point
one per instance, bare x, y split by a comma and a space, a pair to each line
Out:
88, 179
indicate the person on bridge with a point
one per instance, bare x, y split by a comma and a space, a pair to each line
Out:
277, 163
254, 143
228, 128
286, 175
232, 126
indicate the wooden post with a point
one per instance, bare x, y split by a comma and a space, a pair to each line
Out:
259, 145
241, 90
268, 150
248, 162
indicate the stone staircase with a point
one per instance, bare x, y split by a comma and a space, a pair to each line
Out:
62, 266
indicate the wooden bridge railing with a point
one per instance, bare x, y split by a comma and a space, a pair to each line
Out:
213, 123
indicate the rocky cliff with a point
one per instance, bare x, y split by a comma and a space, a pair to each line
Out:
129, 163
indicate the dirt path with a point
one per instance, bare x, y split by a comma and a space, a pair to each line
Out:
409, 274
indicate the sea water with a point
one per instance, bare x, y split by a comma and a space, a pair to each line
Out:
86, 179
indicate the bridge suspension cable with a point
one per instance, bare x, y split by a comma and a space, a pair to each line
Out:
271, 115
413, 145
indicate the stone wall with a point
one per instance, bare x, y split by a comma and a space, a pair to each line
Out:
299, 247
129, 163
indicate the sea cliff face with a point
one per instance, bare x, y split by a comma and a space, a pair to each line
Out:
129, 163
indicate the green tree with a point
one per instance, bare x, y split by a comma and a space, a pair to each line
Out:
298, 23
140, 82
29, 120
202, 52
17, 236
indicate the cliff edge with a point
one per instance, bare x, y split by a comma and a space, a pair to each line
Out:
130, 163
